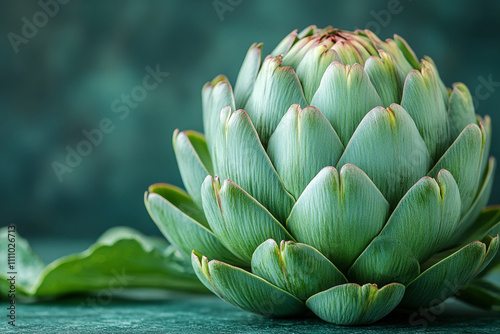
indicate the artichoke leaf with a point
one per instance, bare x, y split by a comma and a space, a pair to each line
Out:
424, 219
352, 304
423, 101
178, 218
276, 89
460, 110
194, 161
349, 54
360, 37
339, 214
310, 30
443, 279
485, 224
297, 268
245, 290
384, 261
237, 219
472, 222
388, 148
313, 66
345, 95
485, 125
285, 45
402, 64
445, 94
244, 160
304, 142
298, 51
491, 258
383, 76
361, 48
247, 75
463, 161
216, 95
407, 51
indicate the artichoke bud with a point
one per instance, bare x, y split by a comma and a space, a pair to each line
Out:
339, 164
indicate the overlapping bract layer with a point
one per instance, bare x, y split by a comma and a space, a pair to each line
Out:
339, 160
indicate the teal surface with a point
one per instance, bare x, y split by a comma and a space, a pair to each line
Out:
208, 314
158, 311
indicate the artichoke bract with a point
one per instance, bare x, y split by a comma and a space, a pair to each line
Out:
339, 176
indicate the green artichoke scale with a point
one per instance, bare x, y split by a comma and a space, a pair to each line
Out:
340, 176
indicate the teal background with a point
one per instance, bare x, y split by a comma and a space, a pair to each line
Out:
65, 79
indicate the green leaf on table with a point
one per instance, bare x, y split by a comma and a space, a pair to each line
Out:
25, 263
121, 258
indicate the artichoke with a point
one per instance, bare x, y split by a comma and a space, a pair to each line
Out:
340, 176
